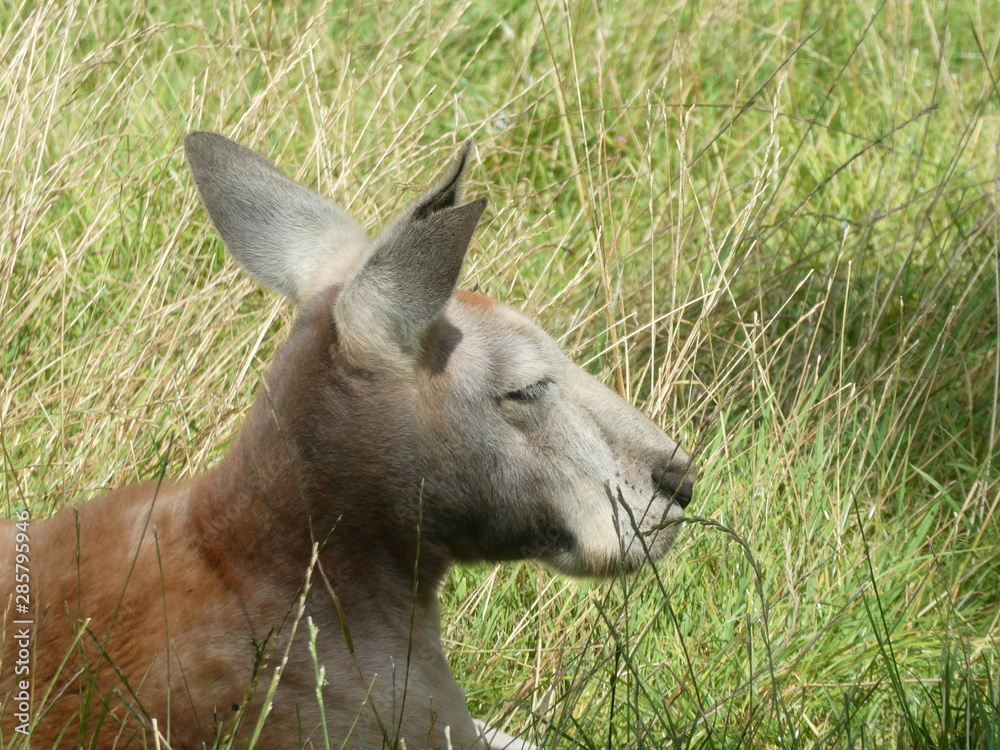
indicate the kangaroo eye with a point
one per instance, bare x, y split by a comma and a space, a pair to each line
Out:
531, 392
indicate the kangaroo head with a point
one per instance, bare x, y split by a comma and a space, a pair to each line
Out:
468, 409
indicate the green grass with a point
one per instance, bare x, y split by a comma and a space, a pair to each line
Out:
772, 226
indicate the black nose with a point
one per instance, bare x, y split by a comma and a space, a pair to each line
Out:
676, 486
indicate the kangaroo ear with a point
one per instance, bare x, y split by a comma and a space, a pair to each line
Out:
281, 233
410, 274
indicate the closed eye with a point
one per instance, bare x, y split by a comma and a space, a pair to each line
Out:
529, 393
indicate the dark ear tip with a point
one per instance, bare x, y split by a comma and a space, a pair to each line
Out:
464, 151
478, 205
445, 192
459, 163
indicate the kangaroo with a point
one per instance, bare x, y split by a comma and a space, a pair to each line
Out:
403, 427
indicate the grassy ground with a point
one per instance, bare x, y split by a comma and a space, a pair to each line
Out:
773, 226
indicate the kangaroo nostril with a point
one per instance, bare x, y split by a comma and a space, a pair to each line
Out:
675, 486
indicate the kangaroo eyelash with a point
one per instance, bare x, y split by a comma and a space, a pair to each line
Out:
531, 392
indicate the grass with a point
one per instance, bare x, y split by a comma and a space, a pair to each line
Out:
773, 226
